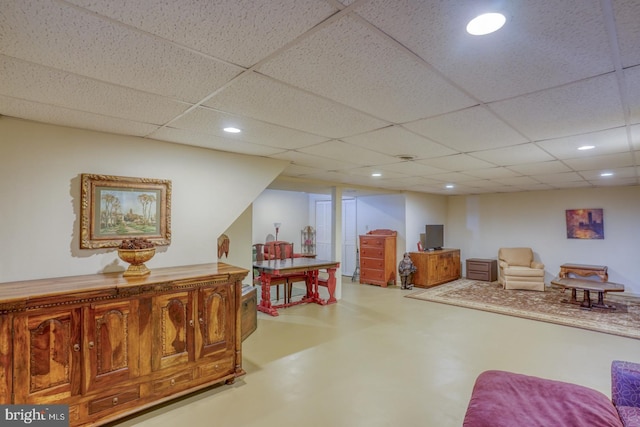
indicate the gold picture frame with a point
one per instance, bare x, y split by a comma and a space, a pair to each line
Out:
114, 208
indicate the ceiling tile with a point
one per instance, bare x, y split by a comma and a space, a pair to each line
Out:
559, 178
238, 31
33, 82
65, 117
69, 39
607, 161
628, 30
632, 81
265, 99
411, 168
304, 159
341, 150
540, 46
469, 130
395, 141
254, 131
456, 162
577, 108
492, 173
205, 140
508, 156
605, 142
366, 61
540, 168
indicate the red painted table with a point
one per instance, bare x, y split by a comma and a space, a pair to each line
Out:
306, 269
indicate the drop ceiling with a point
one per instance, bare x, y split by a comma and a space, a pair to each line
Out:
341, 90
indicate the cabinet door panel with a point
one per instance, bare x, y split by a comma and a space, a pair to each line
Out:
111, 343
216, 320
173, 323
47, 356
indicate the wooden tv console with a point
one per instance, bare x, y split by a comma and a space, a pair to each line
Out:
109, 346
435, 267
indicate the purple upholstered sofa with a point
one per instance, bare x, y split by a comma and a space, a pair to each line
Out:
507, 399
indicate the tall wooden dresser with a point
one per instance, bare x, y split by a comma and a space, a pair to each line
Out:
378, 257
435, 267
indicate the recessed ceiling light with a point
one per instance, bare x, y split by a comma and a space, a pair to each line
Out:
606, 174
485, 24
232, 130
449, 186
587, 147
376, 174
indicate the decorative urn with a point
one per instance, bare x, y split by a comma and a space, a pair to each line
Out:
136, 252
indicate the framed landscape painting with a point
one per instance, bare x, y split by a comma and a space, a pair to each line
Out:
114, 208
585, 224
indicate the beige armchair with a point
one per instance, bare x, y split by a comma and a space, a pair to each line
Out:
518, 270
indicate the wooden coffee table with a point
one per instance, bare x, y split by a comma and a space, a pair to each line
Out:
588, 286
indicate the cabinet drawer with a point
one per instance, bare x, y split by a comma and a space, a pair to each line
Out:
114, 400
478, 275
477, 266
371, 252
177, 379
219, 368
372, 275
372, 263
371, 241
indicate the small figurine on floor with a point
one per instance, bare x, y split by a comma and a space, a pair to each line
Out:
406, 268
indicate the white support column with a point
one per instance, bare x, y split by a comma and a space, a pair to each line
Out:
336, 234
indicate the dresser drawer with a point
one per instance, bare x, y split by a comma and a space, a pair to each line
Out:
374, 276
371, 242
372, 263
478, 266
367, 252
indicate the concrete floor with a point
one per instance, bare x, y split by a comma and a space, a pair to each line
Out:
378, 359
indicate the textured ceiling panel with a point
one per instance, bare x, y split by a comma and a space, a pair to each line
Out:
239, 31
581, 107
469, 130
365, 62
396, 141
254, 131
519, 154
69, 39
628, 30
73, 118
40, 84
539, 46
457, 162
268, 100
211, 141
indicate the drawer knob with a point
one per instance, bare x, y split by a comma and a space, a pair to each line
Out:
76, 347
172, 382
114, 401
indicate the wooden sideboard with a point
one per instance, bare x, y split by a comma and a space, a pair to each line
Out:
109, 346
435, 267
378, 258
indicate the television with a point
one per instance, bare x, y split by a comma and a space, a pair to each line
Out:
433, 237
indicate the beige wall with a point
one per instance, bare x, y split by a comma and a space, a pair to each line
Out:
40, 167
480, 225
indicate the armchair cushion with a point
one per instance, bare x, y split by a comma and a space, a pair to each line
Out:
518, 270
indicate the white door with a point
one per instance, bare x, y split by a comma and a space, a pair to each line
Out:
323, 229
349, 237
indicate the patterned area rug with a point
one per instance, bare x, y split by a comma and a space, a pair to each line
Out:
543, 306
